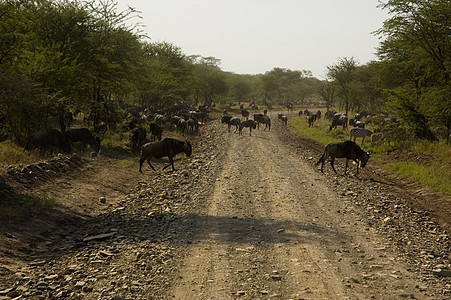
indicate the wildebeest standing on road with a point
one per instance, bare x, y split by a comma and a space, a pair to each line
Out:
348, 150
168, 147
248, 123
47, 139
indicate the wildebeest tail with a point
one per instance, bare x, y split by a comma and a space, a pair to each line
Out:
321, 158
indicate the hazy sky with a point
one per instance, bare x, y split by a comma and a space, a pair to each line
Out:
255, 36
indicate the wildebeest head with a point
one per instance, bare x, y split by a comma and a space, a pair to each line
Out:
364, 157
188, 149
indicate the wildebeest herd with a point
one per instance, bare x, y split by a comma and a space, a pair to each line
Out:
150, 144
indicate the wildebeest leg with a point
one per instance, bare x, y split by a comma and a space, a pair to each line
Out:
346, 166
171, 163
332, 159
148, 161
250, 131
358, 165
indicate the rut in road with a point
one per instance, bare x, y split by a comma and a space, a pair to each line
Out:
273, 227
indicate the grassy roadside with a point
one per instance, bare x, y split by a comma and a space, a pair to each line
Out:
425, 162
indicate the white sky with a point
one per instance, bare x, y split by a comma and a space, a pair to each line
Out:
255, 36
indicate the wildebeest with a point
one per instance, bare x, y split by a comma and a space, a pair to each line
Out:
263, 119
248, 123
155, 132
168, 147
85, 136
311, 119
283, 118
193, 125
339, 119
359, 133
138, 138
245, 114
354, 123
47, 139
228, 120
348, 150
181, 126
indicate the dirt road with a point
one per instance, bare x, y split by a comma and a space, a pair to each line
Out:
247, 217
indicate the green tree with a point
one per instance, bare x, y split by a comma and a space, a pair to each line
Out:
343, 75
417, 45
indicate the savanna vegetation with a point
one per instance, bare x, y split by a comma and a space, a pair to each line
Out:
85, 58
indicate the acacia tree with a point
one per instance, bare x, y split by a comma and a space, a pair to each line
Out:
342, 74
326, 91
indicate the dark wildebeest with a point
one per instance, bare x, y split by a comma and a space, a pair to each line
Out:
168, 147
138, 138
248, 123
229, 120
193, 125
155, 132
245, 114
311, 119
181, 126
348, 150
265, 111
283, 118
263, 119
48, 139
85, 136
234, 121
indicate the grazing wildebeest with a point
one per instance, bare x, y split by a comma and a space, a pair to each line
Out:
300, 113
48, 139
260, 118
359, 132
248, 123
168, 147
265, 111
245, 114
85, 136
283, 118
348, 150
155, 132
138, 138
